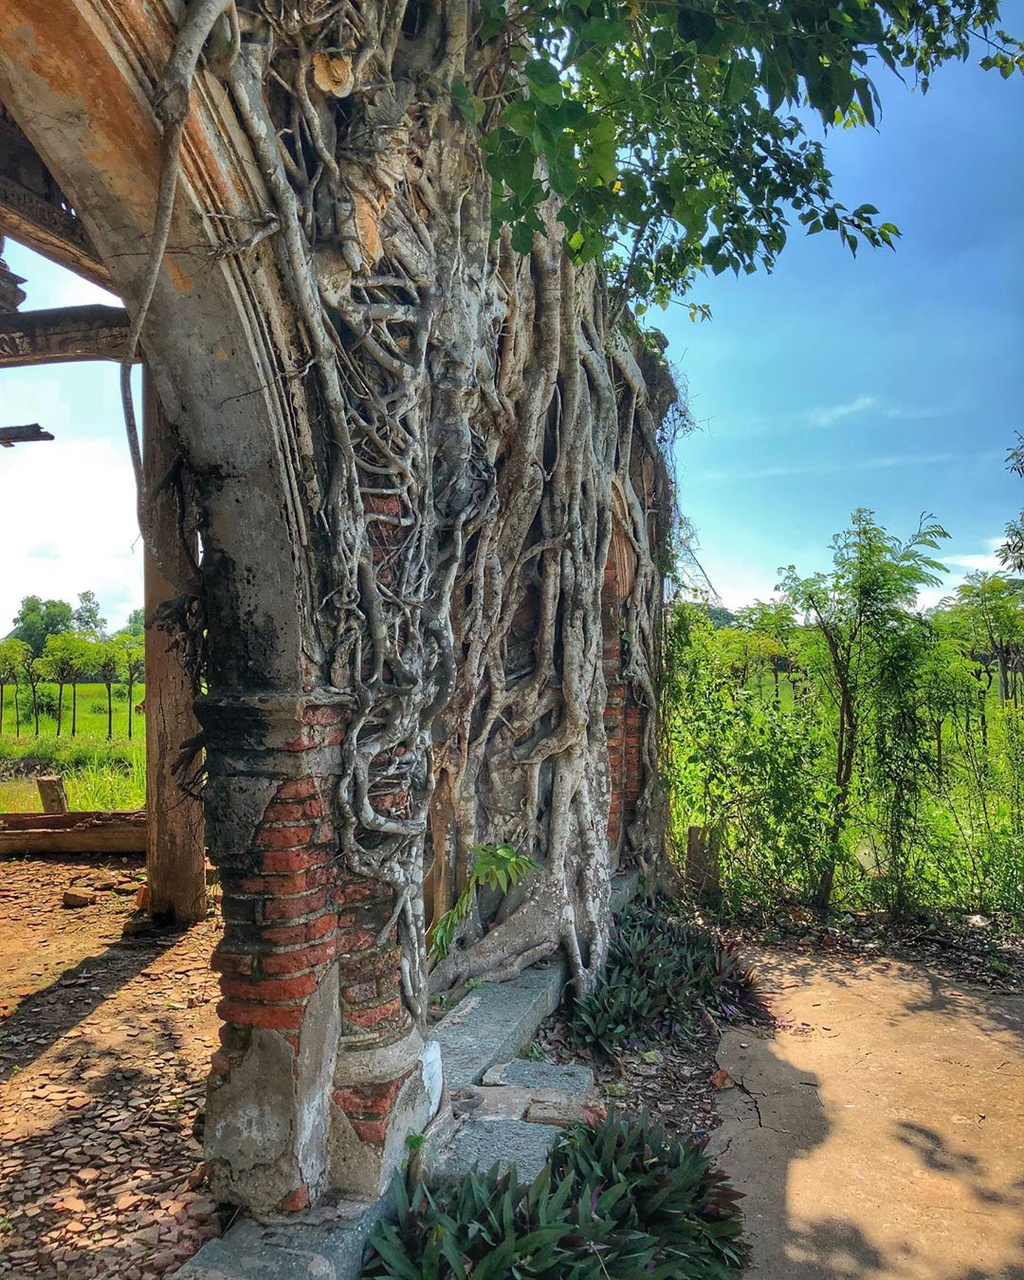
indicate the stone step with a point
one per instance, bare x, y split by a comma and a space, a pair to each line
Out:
525, 1073
484, 1142
328, 1242
495, 1021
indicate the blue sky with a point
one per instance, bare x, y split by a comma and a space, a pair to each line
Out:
894, 381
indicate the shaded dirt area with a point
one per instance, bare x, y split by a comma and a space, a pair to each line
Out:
978, 949
879, 1133
104, 1051
674, 1082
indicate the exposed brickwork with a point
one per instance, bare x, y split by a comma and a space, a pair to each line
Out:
367, 1107
623, 717
281, 918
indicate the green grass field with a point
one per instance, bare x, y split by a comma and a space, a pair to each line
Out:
99, 772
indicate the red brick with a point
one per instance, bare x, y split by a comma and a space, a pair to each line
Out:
363, 993
369, 1100
383, 963
323, 715
232, 963
270, 885
321, 925
295, 811
289, 860
352, 940
282, 837
373, 1132
355, 891
298, 960
271, 1017
295, 1200
294, 908
286, 935
370, 1018
275, 989
384, 505
297, 790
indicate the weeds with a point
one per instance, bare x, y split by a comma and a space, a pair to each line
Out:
619, 1199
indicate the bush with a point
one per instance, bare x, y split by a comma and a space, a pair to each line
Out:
616, 1200
662, 973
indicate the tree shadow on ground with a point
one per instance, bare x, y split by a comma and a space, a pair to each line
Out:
969, 1170
44, 1017
995, 1010
111, 1187
812, 1239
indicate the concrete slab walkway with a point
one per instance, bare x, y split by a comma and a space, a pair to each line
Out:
880, 1135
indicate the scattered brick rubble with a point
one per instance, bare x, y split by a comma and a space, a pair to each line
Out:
105, 1045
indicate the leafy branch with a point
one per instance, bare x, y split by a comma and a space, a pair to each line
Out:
495, 866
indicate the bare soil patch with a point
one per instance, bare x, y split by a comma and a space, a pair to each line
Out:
104, 1051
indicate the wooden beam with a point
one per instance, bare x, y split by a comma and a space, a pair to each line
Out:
35, 212
176, 857
32, 431
62, 335
84, 832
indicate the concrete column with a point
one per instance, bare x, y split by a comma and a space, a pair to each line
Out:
176, 855
320, 1075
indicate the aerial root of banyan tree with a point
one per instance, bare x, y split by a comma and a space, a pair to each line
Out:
468, 435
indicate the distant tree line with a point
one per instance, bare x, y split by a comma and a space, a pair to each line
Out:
53, 642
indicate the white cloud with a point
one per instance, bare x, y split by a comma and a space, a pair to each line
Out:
985, 560
921, 413
989, 563
68, 524
829, 415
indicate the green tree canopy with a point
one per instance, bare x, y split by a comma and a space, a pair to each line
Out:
1011, 553
66, 659
38, 618
871, 647
87, 616
136, 624
665, 131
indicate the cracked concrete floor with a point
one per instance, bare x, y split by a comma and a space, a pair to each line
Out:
879, 1135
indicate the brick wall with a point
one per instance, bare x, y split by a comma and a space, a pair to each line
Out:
306, 956
623, 717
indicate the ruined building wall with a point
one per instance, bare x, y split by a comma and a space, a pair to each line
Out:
432, 510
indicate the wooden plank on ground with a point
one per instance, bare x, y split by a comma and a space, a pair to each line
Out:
87, 831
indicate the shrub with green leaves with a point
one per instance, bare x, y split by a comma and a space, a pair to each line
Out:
662, 972
494, 866
619, 1200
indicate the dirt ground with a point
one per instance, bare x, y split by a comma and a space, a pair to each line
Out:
879, 1133
104, 1050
